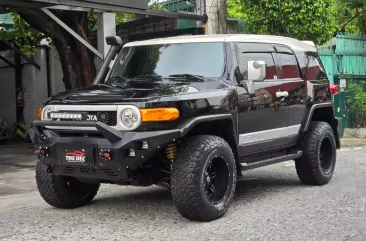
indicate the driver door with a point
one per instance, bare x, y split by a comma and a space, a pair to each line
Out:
262, 115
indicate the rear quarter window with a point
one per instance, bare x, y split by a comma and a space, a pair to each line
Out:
289, 66
315, 70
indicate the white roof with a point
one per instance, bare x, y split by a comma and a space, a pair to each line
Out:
290, 42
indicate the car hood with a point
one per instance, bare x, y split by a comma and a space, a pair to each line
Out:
133, 91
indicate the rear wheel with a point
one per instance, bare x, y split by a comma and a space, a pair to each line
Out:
63, 191
203, 178
317, 164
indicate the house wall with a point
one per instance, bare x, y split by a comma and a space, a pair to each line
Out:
34, 83
8, 97
57, 85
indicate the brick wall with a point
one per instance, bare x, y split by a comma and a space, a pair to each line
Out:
8, 96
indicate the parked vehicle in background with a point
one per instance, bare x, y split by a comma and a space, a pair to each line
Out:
191, 113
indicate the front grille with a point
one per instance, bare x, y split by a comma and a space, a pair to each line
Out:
107, 117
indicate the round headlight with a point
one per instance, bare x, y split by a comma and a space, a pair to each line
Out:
130, 118
46, 112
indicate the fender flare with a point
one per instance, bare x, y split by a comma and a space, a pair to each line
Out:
336, 122
306, 122
186, 126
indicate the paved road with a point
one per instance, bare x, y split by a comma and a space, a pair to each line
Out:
270, 204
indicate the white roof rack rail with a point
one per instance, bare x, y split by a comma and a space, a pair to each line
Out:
310, 43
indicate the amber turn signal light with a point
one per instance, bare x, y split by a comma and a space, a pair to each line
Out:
159, 114
39, 113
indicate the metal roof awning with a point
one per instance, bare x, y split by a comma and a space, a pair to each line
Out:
139, 7
132, 6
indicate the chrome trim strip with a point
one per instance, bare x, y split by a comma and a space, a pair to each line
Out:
256, 137
85, 107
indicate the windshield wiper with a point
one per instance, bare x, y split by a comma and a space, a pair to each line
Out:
197, 77
148, 76
116, 80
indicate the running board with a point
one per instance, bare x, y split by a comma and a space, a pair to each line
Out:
271, 161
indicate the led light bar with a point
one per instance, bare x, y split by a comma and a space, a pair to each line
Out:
65, 116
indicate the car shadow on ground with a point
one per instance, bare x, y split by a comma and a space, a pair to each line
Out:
151, 202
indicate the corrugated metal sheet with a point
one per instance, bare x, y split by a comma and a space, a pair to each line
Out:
6, 19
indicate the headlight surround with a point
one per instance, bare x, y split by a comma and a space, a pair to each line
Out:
45, 114
130, 118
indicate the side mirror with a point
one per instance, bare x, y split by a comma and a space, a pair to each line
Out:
256, 71
113, 40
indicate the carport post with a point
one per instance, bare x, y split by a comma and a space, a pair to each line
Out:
216, 16
106, 27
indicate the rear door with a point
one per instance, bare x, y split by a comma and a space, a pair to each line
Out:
293, 84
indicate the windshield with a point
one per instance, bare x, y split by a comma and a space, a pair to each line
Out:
200, 59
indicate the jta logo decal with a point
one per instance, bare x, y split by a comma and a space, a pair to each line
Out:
77, 156
91, 118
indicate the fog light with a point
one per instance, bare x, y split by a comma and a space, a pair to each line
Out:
107, 155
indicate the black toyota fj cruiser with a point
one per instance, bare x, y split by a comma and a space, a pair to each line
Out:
191, 113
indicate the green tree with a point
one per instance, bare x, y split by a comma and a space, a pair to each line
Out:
351, 16
302, 19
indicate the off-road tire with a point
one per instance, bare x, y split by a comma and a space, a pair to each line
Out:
187, 179
309, 166
55, 190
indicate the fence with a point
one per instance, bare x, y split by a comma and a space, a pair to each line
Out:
344, 59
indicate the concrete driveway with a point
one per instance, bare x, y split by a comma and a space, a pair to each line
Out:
271, 204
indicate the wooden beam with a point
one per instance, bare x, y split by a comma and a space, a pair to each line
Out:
72, 32
7, 61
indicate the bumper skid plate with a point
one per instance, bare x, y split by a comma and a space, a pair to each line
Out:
104, 158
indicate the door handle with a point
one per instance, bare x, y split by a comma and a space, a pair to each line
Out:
282, 94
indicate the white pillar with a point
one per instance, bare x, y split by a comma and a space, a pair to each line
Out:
106, 27
217, 16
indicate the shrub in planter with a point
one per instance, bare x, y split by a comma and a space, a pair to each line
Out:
356, 99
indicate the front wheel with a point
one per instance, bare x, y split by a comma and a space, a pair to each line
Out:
63, 191
203, 178
317, 164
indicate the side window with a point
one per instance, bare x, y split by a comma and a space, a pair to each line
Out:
266, 57
314, 69
289, 66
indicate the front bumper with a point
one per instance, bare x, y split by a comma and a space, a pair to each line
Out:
117, 143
